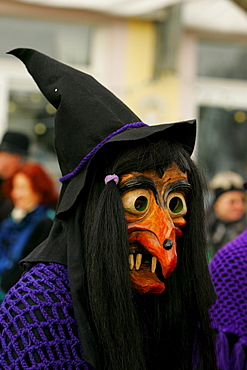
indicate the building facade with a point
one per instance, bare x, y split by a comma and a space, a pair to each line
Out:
185, 61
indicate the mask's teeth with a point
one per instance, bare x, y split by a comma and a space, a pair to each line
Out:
138, 261
153, 264
131, 261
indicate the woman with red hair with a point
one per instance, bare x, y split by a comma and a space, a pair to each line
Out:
34, 196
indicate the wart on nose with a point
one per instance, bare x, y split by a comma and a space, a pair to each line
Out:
167, 244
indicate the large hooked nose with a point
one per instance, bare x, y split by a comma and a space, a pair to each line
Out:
157, 234
167, 253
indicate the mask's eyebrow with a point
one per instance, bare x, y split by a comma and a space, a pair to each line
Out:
179, 185
138, 182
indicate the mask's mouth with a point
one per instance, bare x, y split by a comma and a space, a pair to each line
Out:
145, 271
141, 259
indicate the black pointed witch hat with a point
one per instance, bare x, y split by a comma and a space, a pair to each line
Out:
89, 117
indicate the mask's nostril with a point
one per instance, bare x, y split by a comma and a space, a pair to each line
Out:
167, 244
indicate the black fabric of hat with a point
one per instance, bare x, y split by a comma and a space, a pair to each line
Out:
15, 142
89, 117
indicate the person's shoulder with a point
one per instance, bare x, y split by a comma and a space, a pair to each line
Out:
37, 320
50, 280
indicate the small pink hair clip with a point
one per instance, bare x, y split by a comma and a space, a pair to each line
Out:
114, 178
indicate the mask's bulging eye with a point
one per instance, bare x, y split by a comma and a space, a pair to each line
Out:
136, 201
141, 203
176, 204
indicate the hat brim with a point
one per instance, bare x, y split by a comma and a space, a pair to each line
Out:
5, 147
183, 132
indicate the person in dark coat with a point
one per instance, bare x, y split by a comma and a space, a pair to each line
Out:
227, 216
122, 280
34, 196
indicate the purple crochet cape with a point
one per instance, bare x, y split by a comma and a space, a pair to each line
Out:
229, 313
37, 325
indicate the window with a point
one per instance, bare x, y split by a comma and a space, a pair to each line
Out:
222, 59
67, 42
221, 144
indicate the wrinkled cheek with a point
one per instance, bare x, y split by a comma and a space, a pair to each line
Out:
179, 225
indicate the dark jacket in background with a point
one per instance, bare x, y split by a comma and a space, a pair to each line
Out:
17, 240
221, 232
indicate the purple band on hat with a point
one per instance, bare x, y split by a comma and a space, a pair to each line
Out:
114, 178
90, 154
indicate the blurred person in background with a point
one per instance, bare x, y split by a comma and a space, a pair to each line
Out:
34, 196
227, 215
13, 151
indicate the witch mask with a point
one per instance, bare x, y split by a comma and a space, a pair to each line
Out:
155, 210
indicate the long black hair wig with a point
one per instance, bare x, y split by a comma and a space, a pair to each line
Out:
143, 332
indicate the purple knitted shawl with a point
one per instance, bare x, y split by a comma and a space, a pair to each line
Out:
37, 325
229, 313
